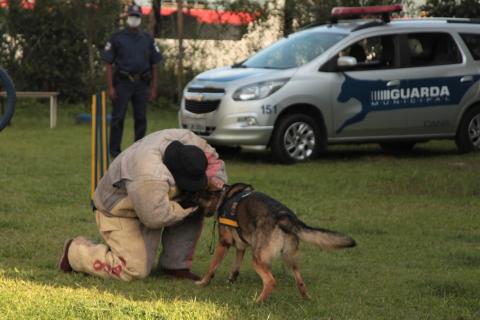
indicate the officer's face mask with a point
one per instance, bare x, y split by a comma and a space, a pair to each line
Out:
133, 21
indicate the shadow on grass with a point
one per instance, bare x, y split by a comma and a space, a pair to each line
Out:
157, 286
340, 153
464, 259
450, 288
465, 237
39, 268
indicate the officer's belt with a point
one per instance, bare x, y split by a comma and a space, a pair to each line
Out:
125, 75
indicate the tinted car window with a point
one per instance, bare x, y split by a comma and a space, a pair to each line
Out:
430, 49
473, 44
372, 53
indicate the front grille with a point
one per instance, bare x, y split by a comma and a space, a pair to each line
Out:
205, 90
205, 106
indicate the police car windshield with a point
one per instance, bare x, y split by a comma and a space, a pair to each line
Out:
293, 51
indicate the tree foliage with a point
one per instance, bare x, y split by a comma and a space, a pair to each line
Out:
56, 45
452, 8
302, 13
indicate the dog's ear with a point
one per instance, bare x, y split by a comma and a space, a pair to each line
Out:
237, 187
208, 202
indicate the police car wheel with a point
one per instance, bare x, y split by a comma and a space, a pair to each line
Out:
397, 147
468, 133
296, 138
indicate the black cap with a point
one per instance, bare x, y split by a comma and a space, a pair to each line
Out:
134, 10
188, 165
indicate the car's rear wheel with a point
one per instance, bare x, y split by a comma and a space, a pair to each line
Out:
468, 133
397, 147
297, 137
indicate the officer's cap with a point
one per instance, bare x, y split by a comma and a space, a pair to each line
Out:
134, 10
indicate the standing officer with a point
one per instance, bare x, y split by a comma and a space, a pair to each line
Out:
134, 54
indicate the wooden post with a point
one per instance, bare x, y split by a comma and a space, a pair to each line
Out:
53, 111
94, 149
104, 132
180, 49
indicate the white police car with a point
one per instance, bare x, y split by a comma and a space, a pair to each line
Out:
393, 82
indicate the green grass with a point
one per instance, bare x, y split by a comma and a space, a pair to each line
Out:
415, 219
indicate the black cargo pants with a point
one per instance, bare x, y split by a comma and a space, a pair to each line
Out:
138, 93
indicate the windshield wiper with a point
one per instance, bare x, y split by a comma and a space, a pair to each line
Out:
270, 67
239, 64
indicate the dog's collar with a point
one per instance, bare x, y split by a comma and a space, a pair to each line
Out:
227, 213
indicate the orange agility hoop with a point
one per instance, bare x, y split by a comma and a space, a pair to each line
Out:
100, 157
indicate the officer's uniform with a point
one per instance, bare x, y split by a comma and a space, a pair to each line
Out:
133, 53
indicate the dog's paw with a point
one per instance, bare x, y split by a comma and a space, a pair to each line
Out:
231, 280
260, 300
202, 283
306, 296
233, 277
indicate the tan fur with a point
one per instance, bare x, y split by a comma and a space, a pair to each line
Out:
270, 229
327, 241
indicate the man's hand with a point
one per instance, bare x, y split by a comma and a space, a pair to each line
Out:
111, 89
190, 210
181, 212
112, 93
215, 183
153, 94
186, 199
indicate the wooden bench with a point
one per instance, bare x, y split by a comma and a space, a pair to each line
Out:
41, 94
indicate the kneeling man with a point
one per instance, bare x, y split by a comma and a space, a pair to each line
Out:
135, 208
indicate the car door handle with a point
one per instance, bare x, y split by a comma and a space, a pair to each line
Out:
393, 83
466, 79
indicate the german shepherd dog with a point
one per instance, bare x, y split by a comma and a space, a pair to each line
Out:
269, 228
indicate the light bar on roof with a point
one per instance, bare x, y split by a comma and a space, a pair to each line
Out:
339, 12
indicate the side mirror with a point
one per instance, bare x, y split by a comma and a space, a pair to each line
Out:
346, 62
339, 64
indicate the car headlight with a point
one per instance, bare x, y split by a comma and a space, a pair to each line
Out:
259, 90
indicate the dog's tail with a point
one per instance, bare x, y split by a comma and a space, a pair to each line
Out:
326, 239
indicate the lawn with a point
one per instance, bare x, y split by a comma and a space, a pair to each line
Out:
415, 218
